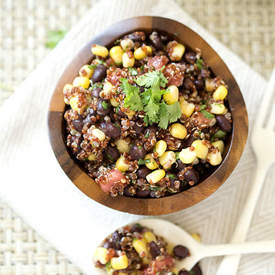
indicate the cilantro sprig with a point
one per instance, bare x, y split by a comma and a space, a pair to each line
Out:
150, 101
132, 99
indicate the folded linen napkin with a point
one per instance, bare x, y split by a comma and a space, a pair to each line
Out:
34, 184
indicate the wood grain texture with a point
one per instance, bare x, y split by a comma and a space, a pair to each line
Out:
178, 201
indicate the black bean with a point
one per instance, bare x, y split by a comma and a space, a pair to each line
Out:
190, 57
192, 175
126, 191
180, 165
112, 153
143, 172
188, 84
205, 73
138, 127
180, 251
136, 228
163, 38
156, 40
103, 108
142, 193
108, 244
154, 249
78, 124
188, 142
224, 123
103, 127
199, 83
136, 36
196, 270
95, 92
137, 152
112, 130
116, 236
99, 73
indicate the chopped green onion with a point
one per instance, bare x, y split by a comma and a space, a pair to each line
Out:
207, 114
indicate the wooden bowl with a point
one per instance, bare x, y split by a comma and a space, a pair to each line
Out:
150, 206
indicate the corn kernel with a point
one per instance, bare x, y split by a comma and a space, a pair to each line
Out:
150, 162
140, 247
101, 255
175, 271
130, 113
116, 54
86, 71
201, 149
149, 237
121, 164
139, 53
92, 157
107, 88
98, 134
169, 248
127, 44
120, 262
217, 108
74, 101
196, 237
220, 93
178, 130
128, 59
172, 95
148, 50
155, 176
82, 82
167, 159
145, 261
187, 155
210, 85
160, 147
219, 144
187, 108
114, 102
214, 158
177, 52
99, 50
122, 145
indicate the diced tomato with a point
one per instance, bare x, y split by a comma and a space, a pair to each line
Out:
156, 266
113, 178
157, 61
174, 74
200, 121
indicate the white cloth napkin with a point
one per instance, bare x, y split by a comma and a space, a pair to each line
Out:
36, 187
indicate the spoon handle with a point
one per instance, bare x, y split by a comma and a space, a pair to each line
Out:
242, 248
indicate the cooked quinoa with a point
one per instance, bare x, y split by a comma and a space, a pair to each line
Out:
137, 250
147, 117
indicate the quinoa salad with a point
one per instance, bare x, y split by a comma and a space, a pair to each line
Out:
136, 250
146, 117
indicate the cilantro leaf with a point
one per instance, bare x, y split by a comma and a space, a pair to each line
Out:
152, 110
152, 79
53, 37
168, 114
132, 99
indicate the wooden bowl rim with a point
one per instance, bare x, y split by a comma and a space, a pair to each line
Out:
149, 206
